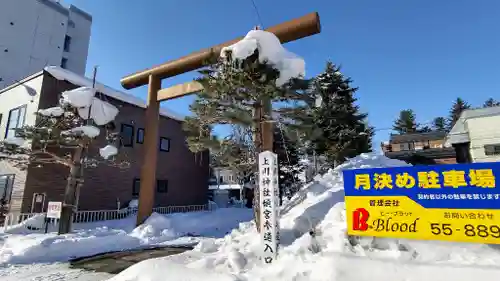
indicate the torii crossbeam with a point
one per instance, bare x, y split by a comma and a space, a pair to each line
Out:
288, 31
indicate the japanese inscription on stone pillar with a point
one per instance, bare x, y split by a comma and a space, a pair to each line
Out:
269, 205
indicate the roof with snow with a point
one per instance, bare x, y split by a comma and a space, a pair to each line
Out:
63, 74
434, 135
82, 81
459, 133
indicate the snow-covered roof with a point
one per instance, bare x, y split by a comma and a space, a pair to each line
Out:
63, 74
460, 133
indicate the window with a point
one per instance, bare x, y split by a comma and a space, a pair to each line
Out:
164, 144
6, 188
67, 43
136, 186
15, 121
492, 149
140, 135
162, 186
64, 62
127, 135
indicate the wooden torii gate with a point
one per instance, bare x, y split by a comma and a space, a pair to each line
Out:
288, 31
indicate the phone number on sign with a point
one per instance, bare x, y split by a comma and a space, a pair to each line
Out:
468, 230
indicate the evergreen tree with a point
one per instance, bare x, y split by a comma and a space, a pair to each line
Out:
63, 135
424, 129
491, 102
289, 165
458, 107
341, 129
406, 123
235, 92
439, 124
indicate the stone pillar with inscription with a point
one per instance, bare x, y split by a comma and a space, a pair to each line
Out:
269, 205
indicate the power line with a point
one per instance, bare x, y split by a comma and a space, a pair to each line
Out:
257, 12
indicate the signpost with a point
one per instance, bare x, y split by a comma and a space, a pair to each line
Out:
458, 202
54, 210
269, 205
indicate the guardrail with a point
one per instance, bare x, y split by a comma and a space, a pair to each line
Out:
37, 220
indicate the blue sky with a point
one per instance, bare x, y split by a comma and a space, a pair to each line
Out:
401, 54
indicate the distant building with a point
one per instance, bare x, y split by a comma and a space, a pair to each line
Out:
420, 148
476, 135
38, 33
182, 176
224, 186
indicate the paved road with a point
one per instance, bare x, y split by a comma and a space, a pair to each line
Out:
49, 272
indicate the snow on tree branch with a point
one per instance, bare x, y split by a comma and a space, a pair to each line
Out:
59, 131
270, 51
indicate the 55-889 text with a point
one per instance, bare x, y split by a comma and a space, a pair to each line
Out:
468, 229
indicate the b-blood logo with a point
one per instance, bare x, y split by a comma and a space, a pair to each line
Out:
359, 219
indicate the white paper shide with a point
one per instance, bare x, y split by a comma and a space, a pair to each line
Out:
269, 204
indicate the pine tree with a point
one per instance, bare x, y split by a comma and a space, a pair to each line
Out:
63, 135
235, 91
439, 124
406, 123
491, 103
456, 110
341, 129
289, 165
424, 129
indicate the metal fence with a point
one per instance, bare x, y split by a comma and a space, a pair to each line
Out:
33, 221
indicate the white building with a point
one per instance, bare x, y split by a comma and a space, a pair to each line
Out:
38, 33
223, 186
476, 135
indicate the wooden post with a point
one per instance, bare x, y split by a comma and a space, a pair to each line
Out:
267, 126
150, 153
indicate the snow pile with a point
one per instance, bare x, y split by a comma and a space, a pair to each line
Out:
331, 254
35, 222
157, 228
79, 97
84, 99
108, 151
87, 130
52, 111
15, 141
270, 51
134, 203
19, 245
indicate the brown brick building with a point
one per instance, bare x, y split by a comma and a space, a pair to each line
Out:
182, 177
420, 148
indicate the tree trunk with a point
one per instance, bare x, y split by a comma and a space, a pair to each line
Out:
257, 139
70, 193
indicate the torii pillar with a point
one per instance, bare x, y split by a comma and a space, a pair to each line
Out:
288, 31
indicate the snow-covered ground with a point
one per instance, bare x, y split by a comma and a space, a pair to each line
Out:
331, 256
19, 246
49, 272
235, 256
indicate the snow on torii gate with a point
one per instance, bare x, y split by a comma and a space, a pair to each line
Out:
288, 31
